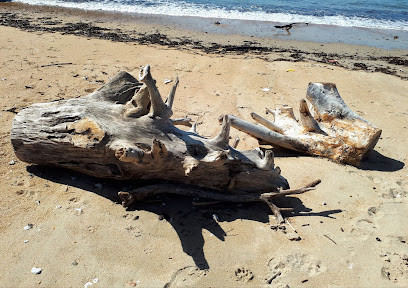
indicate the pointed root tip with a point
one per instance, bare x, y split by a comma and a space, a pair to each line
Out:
236, 142
222, 139
144, 71
269, 111
313, 184
193, 128
221, 118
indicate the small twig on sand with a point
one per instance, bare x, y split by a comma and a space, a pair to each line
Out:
55, 64
290, 225
330, 239
12, 110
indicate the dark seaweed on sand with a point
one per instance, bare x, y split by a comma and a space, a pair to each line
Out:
88, 29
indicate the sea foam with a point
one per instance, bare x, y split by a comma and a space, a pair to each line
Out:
170, 8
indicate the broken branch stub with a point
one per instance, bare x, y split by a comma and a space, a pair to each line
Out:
124, 131
327, 127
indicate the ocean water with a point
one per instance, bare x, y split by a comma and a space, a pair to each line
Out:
376, 14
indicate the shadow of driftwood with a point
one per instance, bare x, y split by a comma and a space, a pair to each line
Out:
375, 161
378, 162
187, 219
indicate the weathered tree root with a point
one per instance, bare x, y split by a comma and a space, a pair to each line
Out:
124, 130
327, 127
141, 193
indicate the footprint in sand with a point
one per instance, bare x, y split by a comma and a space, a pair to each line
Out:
364, 228
281, 269
391, 189
395, 268
185, 277
243, 274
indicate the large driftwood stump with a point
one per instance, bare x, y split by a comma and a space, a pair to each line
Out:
124, 131
327, 127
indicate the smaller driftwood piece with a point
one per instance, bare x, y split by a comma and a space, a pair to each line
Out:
124, 131
327, 127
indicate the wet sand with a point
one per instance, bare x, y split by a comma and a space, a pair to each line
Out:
352, 227
218, 37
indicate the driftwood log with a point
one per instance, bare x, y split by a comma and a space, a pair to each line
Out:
124, 131
327, 127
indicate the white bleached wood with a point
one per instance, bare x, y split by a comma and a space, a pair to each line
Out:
327, 128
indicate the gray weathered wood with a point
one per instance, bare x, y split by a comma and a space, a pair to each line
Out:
124, 131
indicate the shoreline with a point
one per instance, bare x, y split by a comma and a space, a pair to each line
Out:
385, 38
148, 31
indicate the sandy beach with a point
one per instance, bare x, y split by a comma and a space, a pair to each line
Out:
352, 227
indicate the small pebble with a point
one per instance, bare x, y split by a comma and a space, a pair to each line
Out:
75, 263
25, 241
38, 202
58, 207
294, 237
266, 89
324, 203
372, 211
28, 227
36, 270
166, 81
12, 162
87, 284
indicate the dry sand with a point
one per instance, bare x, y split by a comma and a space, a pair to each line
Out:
353, 227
